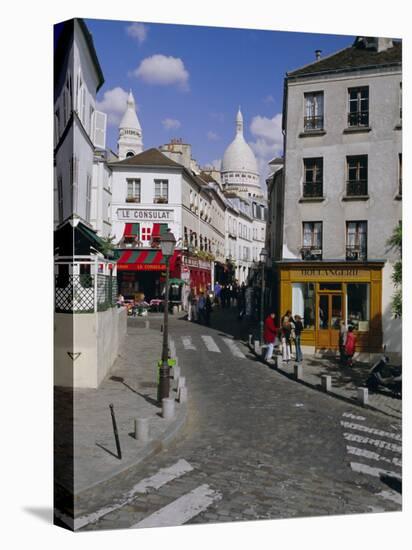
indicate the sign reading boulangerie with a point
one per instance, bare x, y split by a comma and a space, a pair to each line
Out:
146, 214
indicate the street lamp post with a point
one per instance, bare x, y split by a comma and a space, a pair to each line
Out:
167, 245
263, 256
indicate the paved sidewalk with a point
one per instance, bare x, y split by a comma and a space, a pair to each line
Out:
131, 387
345, 381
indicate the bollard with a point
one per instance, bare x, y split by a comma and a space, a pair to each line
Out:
182, 395
116, 433
141, 429
250, 340
326, 382
146, 324
181, 383
363, 396
257, 347
176, 372
168, 408
298, 371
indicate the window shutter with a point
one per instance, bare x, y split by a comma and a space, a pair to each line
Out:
99, 129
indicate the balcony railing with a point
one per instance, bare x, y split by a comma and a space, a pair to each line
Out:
313, 123
313, 189
311, 252
356, 188
355, 252
358, 119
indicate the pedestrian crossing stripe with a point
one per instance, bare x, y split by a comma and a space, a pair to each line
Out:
375, 472
210, 344
187, 343
373, 455
183, 509
391, 495
233, 348
353, 416
362, 428
374, 442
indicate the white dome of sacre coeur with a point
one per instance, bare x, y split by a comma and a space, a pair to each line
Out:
239, 156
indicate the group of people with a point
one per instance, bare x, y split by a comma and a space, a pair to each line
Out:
199, 306
228, 295
289, 331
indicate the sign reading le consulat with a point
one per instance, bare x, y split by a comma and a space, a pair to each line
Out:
146, 214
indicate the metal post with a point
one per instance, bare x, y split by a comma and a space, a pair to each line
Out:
262, 303
164, 385
116, 434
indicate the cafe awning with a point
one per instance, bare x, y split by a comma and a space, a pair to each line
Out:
144, 260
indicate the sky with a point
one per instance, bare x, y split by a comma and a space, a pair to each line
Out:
188, 82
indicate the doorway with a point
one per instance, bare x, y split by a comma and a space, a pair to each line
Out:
329, 314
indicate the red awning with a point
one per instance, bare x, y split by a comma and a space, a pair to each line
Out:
145, 260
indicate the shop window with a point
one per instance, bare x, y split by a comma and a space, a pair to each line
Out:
303, 303
358, 306
356, 240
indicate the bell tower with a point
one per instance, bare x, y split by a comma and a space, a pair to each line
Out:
130, 140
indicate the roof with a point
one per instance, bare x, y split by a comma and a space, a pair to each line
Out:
73, 237
150, 157
65, 34
354, 57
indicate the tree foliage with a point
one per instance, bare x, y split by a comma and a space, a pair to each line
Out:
395, 242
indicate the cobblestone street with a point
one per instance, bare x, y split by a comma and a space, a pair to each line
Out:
256, 446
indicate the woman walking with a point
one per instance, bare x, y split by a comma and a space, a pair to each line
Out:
286, 329
298, 330
350, 346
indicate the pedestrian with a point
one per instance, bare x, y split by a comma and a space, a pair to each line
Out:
208, 310
286, 329
350, 346
343, 331
298, 329
217, 291
201, 303
269, 334
191, 308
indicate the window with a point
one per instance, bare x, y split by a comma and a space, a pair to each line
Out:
161, 191
74, 174
146, 233
357, 174
358, 114
358, 306
313, 177
185, 239
88, 197
400, 174
312, 241
303, 303
313, 111
133, 190
60, 197
356, 240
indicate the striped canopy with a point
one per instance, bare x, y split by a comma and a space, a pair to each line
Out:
144, 260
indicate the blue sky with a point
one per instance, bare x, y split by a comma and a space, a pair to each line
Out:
188, 81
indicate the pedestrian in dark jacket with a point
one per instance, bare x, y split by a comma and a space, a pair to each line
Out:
208, 309
270, 334
298, 329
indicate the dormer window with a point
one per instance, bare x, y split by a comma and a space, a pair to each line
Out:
129, 154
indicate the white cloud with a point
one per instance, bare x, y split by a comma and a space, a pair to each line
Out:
212, 136
113, 104
162, 70
169, 123
137, 31
268, 143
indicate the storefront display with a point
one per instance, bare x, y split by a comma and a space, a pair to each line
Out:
326, 293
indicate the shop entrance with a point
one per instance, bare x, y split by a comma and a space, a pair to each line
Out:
330, 312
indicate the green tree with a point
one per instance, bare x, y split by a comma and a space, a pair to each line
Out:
108, 246
395, 242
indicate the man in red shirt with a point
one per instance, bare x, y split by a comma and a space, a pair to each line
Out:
269, 334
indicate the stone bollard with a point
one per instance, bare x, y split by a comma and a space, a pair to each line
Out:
146, 324
257, 347
326, 382
298, 371
174, 310
363, 396
168, 408
141, 429
250, 340
182, 395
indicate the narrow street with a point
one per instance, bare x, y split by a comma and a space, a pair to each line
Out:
256, 446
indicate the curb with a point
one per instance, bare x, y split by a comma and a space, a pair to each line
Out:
318, 387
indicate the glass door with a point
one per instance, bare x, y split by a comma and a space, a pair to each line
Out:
329, 316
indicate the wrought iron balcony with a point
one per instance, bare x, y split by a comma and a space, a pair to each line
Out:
355, 252
356, 188
312, 123
311, 252
358, 119
313, 189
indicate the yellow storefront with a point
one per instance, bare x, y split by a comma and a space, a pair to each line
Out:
326, 293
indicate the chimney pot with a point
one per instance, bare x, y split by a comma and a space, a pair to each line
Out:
317, 53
